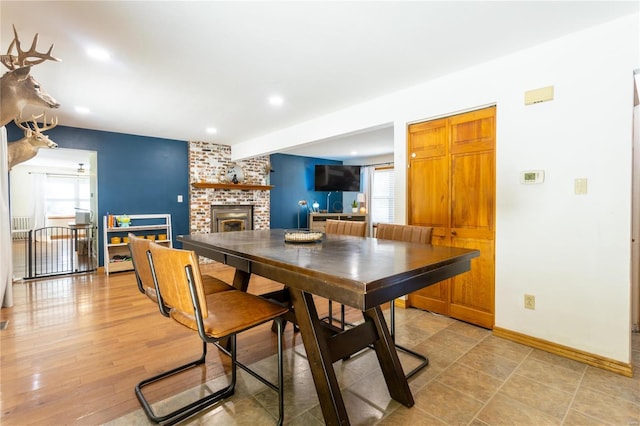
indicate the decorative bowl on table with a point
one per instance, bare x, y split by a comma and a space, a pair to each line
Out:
302, 236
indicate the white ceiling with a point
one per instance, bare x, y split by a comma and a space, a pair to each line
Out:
179, 67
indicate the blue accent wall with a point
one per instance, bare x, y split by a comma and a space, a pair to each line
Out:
136, 174
143, 175
293, 181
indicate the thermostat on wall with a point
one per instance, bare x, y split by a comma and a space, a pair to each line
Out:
532, 176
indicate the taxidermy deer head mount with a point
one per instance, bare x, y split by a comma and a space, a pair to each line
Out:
18, 88
27, 147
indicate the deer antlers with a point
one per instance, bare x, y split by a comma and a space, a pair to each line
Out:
22, 59
36, 128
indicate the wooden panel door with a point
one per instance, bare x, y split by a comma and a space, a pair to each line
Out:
468, 186
428, 196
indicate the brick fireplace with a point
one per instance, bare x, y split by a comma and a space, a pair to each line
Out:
207, 163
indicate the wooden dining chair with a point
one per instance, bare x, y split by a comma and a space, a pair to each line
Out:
413, 234
346, 227
138, 248
213, 317
343, 227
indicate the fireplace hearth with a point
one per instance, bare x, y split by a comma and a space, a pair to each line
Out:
228, 218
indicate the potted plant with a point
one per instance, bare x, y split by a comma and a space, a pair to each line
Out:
354, 206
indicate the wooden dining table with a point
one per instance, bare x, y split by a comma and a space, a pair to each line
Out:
363, 273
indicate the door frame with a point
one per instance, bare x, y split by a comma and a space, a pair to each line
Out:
635, 210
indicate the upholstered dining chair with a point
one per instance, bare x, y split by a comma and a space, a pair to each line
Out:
343, 227
180, 287
138, 248
413, 234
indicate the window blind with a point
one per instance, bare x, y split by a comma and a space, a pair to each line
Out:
382, 195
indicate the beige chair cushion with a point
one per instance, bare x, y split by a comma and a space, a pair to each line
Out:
231, 312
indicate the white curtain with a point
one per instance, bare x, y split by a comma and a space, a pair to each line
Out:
368, 184
6, 255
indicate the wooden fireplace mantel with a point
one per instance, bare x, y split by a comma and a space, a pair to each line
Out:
239, 186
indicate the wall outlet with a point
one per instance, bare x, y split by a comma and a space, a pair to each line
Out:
529, 301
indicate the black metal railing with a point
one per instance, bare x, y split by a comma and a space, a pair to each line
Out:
58, 250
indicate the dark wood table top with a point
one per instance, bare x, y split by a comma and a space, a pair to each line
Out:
359, 272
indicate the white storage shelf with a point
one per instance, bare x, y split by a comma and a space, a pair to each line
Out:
157, 224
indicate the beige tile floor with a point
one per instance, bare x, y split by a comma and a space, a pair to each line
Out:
474, 378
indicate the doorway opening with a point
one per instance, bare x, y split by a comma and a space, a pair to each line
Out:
53, 206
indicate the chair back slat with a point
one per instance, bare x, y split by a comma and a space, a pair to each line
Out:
170, 269
138, 248
346, 227
409, 233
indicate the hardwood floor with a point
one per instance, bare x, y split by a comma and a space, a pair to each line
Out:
76, 346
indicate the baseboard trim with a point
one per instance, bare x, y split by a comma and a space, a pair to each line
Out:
401, 303
608, 364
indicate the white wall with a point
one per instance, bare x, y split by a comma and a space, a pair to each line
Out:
635, 225
21, 183
571, 251
348, 197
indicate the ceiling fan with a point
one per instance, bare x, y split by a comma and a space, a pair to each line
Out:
81, 168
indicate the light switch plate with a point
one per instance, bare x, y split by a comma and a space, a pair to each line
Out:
532, 176
580, 186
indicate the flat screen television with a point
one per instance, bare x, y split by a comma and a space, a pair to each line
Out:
337, 177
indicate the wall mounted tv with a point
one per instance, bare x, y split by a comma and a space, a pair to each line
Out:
337, 177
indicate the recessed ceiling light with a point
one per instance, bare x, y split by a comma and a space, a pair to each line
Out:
354, 152
82, 110
212, 130
276, 100
99, 54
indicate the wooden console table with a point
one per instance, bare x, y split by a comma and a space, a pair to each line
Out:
317, 221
